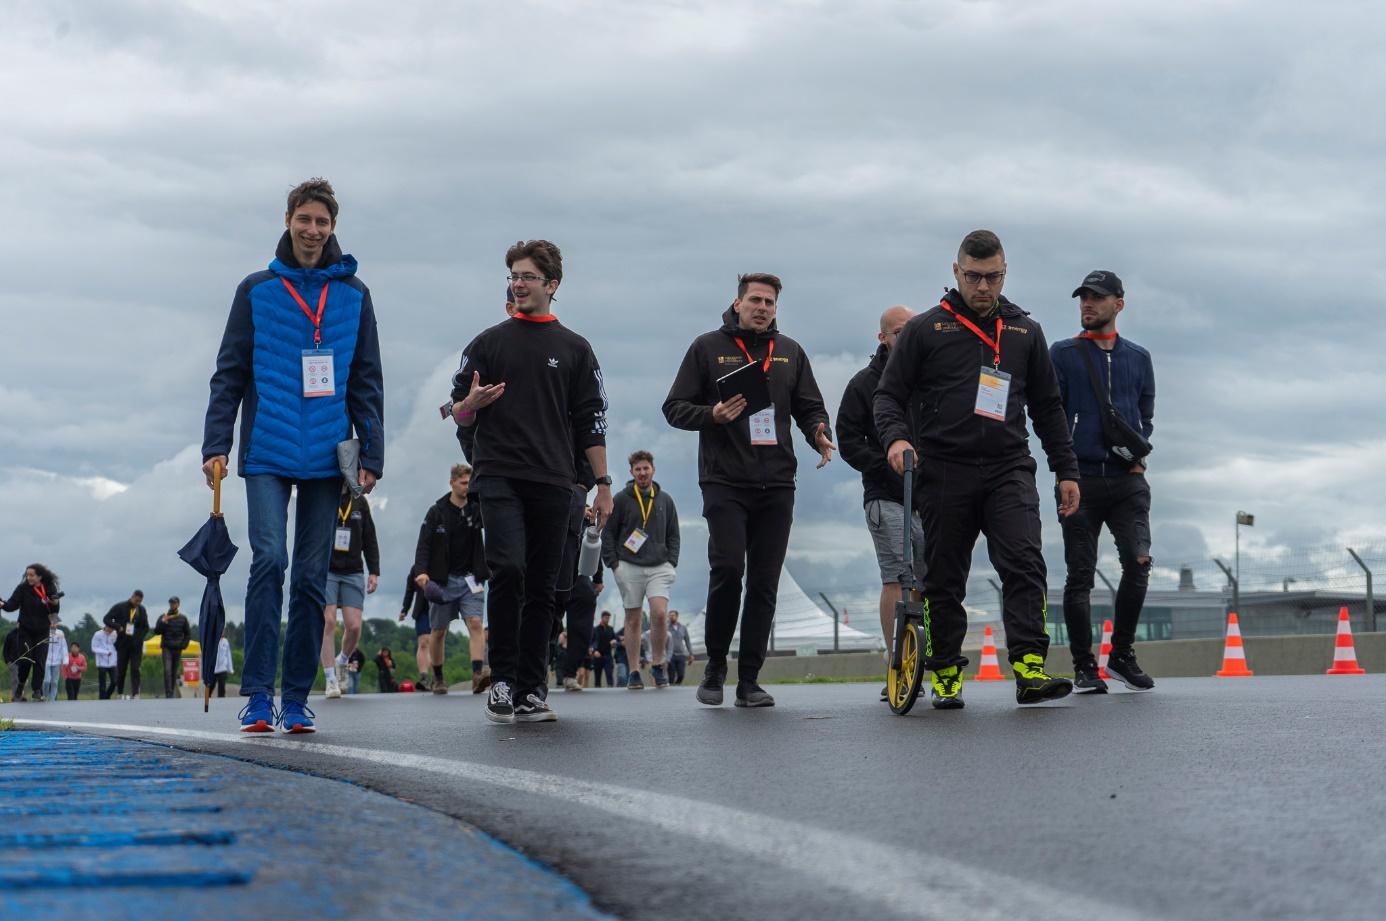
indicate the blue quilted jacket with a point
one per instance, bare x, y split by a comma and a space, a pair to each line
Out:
260, 372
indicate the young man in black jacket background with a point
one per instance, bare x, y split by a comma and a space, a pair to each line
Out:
175, 633
882, 488
130, 620
747, 484
532, 389
975, 364
1115, 491
348, 584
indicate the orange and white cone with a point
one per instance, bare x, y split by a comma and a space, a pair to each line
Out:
990, 669
1233, 653
1344, 653
1104, 650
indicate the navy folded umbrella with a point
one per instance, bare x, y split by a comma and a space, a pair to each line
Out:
210, 552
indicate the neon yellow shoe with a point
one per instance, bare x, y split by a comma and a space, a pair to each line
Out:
1033, 686
947, 690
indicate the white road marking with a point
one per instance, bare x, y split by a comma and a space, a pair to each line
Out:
912, 884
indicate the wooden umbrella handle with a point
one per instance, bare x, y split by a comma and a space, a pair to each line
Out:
216, 489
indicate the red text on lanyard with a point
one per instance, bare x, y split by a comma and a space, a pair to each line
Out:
316, 320
994, 343
750, 360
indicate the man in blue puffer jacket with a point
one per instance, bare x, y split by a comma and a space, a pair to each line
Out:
1115, 491
300, 359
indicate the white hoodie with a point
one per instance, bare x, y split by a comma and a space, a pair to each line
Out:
103, 648
57, 647
223, 657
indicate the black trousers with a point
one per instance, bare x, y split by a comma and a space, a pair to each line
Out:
748, 533
957, 503
1122, 503
73, 686
129, 656
606, 665
526, 523
173, 662
579, 606
105, 681
678, 667
32, 663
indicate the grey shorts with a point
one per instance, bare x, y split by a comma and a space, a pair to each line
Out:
886, 522
346, 591
464, 603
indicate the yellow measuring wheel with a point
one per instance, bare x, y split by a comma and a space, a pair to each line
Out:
905, 674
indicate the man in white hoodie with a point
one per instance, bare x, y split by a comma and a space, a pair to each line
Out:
104, 651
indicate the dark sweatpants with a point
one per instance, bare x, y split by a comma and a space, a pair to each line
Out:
957, 502
1122, 503
525, 524
575, 597
31, 665
748, 533
129, 656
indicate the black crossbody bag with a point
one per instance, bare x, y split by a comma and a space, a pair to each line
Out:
1122, 440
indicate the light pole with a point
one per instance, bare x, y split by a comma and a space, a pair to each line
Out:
1248, 519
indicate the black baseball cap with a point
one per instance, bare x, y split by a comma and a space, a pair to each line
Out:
1100, 281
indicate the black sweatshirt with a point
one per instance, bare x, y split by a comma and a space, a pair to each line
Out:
725, 453
414, 598
450, 542
938, 362
554, 400
119, 615
857, 440
33, 611
176, 632
362, 527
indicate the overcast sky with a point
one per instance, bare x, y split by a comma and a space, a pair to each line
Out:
1219, 156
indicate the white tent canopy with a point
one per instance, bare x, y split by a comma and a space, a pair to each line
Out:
799, 622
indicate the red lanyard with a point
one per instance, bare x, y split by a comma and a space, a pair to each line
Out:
322, 303
41, 592
994, 343
751, 360
1103, 337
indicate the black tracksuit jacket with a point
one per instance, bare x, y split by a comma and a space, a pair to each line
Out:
725, 453
554, 400
936, 364
363, 541
857, 440
119, 615
450, 542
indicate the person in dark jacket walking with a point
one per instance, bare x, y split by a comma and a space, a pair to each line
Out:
36, 600
348, 584
747, 480
882, 488
603, 649
1115, 490
975, 364
415, 605
640, 545
450, 568
175, 633
303, 379
533, 390
130, 620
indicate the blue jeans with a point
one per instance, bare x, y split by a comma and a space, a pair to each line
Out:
353, 682
267, 498
51, 680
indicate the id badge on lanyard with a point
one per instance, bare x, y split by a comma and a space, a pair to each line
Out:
341, 540
763, 427
636, 540
993, 390
319, 379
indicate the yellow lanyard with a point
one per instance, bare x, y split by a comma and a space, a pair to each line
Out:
346, 514
644, 512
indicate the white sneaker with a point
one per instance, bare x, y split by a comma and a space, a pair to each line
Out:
570, 684
334, 690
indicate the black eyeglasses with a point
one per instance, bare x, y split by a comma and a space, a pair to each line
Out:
975, 278
528, 278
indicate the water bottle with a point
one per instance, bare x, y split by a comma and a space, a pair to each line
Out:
591, 553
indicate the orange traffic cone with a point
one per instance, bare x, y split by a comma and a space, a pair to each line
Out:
1233, 654
1104, 651
990, 669
1344, 653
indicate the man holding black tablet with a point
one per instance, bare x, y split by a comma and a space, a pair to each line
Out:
746, 468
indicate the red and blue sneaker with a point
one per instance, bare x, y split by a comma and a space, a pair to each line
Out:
258, 714
294, 718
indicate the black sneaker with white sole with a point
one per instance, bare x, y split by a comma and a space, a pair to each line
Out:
1124, 667
500, 706
710, 688
750, 694
534, 709
1086, 680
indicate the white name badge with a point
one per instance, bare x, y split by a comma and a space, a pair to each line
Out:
318, 379
475, 587
129, 629
993, 389
763, 427
636, 540
341, 540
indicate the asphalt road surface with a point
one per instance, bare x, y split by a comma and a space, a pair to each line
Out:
1206, 799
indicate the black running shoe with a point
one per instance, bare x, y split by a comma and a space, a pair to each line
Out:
633, 682
1123, 665
500, 706
946, 692
710, 688
1033, 686
750, 694
534, 709
1086, 679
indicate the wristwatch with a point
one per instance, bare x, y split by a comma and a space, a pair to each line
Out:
603, 481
